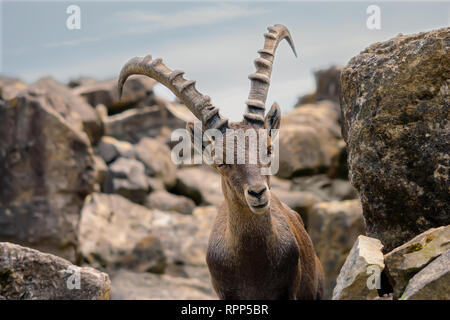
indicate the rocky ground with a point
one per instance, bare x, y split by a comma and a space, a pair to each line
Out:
88, 188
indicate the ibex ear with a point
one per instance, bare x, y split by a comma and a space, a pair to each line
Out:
273, 118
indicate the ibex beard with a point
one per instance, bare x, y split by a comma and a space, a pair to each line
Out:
258, 247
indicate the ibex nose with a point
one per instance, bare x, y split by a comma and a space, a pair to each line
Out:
257, 192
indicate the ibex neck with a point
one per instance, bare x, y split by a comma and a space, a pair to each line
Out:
243, 225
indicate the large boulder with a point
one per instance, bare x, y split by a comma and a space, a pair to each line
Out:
73, 108
201, 184
165, 201
432, 282
406, 260
46, 170
127, 178
333, 228
361, 273
10, 87
184, 237
156, 158
115, 232
105, 92
128, 285
32, 275
395, 105
135, 124
310, 139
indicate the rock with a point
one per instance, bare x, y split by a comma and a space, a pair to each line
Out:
325, 188
46, 170
71, 107
106, 92
184, 237
165, 201
10, 87
156, 121
27, 274
333, 228
395, 106
405, 261
201, 184
310, 140
81, 81
115, 232
101, 169
328, 86
128, 285
110, 149
156, 158
360, 271
102, 112
127, 178
432, 282
299, 201
328, 83
155, 184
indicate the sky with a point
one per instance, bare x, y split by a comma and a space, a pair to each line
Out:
214, 42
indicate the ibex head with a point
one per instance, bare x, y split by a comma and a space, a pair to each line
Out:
242, 181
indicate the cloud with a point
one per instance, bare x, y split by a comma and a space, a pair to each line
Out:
148, 21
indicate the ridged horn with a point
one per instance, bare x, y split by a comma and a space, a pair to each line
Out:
199, 104
260, 80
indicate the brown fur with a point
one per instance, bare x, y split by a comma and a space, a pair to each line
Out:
268, 255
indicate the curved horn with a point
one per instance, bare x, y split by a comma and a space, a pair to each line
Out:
199, 104
260, 80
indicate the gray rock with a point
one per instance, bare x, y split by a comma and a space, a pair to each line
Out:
74, 109
101, 169
201, 184
10, 87
432, 282
135, 124
325, 188
328, 86
395, 106
333, 228
408, 259
110, 149
310, 140
299, 201
128, 285
81, 81
184, 237
106, 93
46, 170
127, 178
27, 274
358, 277
115, 232
156, 158
165, 201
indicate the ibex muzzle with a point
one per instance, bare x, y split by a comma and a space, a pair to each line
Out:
258, 248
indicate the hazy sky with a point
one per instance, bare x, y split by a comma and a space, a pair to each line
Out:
213, 42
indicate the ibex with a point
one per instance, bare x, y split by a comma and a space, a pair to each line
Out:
258, 248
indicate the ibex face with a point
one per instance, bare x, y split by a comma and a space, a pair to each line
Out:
244, 178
